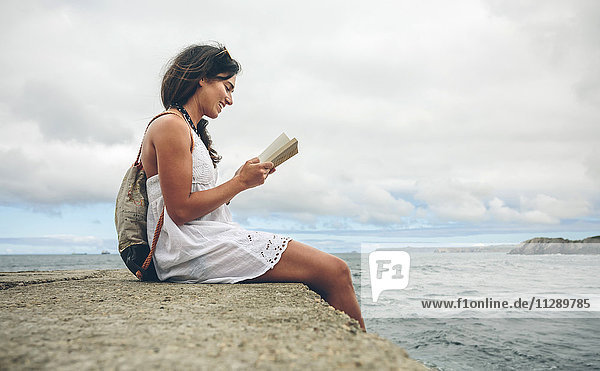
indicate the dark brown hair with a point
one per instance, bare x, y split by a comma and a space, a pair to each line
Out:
194, 63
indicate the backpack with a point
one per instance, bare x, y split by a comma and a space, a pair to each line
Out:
130, 219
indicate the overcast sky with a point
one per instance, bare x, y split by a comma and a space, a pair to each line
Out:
418, 121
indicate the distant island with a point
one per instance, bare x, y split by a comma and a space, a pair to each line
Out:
498, 248
544, 245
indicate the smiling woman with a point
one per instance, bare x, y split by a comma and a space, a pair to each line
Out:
199, 242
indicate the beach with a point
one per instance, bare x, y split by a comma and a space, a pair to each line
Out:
106, 319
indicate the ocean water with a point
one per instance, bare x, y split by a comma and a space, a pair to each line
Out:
16, 263
550, 343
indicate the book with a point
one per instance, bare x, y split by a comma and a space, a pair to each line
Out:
281, 150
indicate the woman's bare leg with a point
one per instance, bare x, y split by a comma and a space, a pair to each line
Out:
324, 273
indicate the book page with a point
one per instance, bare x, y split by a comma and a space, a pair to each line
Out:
285, 153
280, 150
281, 141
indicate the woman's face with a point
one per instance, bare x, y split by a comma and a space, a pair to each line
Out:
214, 95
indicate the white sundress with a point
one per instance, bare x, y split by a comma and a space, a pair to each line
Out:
210, 249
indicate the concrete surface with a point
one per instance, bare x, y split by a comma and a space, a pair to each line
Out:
74, 320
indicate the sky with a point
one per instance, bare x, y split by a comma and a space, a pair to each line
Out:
420, 122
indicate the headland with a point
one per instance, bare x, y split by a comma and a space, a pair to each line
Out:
544, 245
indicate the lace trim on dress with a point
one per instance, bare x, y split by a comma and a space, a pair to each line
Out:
275, 246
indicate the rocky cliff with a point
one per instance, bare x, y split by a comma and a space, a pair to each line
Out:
544, 245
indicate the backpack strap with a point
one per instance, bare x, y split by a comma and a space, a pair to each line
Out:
153, 247
161, 219
138, 161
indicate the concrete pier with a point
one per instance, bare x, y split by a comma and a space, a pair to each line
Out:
73, 320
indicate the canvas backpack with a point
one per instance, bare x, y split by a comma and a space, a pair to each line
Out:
130, 219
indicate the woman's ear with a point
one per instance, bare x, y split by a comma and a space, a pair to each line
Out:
200, 82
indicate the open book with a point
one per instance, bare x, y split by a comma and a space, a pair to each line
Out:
280, 150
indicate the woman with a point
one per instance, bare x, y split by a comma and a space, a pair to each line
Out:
198, 241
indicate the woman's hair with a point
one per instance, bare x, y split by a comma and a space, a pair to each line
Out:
194, 63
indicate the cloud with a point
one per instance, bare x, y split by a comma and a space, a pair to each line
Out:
503, 213
407, 113
556, 208
566, 33
55, 173
454, 200
310, 198
61, 115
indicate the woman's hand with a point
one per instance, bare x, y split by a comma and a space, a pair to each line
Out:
253, 173
238, 171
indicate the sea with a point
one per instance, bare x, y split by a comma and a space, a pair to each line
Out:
549, 341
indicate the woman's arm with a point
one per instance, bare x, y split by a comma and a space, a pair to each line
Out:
171, 141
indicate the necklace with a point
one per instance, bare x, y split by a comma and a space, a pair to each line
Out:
187, 117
